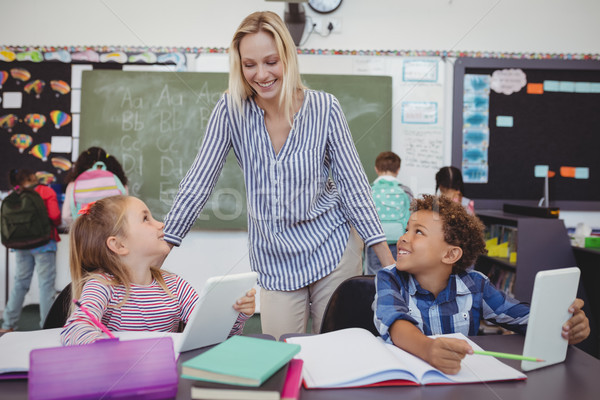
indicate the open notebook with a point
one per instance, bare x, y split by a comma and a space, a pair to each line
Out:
354, 357
16, 346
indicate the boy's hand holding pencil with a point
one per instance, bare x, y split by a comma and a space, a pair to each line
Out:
446, 354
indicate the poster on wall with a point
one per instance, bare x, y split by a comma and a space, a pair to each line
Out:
35, 119
40, 94
421, 105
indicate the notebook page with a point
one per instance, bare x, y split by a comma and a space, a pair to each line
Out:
15, 347
348, 357
477, 368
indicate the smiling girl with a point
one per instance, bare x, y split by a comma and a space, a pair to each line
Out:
117, 249
305, 230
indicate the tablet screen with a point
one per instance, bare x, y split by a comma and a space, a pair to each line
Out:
213, 316
553, 293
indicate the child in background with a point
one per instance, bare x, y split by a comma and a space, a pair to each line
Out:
428, 291
42, 258
85, 161
117, 249
392, 205
449, 182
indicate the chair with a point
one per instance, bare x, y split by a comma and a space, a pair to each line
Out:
350, 305
57, 316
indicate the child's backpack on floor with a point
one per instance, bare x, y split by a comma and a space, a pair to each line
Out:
94, 184
25, 222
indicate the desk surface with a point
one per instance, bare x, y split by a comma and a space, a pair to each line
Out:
577, 377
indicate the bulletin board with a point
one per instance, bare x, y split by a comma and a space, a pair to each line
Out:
514, 121
35, 104
40, 91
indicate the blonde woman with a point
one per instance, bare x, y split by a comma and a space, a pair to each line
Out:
305, 230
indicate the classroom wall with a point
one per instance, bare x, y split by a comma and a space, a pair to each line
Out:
531, 26
486, 25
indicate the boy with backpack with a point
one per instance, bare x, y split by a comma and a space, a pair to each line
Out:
30, 215
392, 201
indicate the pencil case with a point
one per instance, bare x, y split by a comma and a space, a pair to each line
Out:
106, 369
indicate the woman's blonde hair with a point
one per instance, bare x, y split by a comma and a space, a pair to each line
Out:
239, 89
89, 254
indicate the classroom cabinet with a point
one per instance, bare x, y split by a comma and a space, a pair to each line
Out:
541, 243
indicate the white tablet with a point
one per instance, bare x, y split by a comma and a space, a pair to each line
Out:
213, 317
553, 292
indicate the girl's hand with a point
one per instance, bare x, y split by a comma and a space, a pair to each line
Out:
246, 304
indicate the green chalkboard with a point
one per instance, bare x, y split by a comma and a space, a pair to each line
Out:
154, 123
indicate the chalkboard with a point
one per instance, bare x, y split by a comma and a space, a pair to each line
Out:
154, 123
551, 119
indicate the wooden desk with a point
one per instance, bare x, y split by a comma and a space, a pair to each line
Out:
577, 378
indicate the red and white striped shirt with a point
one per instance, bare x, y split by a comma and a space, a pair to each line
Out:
148, 308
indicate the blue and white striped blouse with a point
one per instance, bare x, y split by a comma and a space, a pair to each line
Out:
298, 217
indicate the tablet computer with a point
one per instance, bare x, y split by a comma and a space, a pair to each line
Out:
213, 317
553, 293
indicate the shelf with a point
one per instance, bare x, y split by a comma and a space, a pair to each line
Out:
503, 261
542, 244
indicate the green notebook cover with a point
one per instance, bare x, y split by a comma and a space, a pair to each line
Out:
240, 360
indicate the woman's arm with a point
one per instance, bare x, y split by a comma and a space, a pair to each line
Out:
382, 250
199, 182
353, 186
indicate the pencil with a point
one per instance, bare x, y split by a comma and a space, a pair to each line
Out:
506, 355
94, 319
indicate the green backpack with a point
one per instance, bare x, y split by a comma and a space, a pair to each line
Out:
25, 222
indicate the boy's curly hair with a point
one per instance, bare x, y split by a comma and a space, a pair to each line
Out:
460, 229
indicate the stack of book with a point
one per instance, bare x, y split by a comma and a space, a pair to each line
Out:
245, 367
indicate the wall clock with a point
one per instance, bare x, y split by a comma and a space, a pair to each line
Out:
324, 6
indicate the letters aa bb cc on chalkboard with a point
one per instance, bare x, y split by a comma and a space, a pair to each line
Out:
154, 123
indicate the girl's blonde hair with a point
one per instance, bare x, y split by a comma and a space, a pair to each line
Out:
89, 254
269, 22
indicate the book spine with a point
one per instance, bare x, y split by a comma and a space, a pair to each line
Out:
293, 380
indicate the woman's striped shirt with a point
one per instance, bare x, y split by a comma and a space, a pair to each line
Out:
300, 201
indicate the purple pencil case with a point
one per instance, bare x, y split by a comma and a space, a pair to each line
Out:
106, 369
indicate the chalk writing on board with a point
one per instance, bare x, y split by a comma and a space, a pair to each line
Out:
423, 148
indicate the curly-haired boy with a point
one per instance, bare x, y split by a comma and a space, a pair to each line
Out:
429, 291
